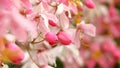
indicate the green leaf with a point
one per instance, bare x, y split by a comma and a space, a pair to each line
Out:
59, 63
117, 64
13, 65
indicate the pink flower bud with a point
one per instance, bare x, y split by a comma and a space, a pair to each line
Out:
52, 23
64, 38
89, 4
51, 38
14, 53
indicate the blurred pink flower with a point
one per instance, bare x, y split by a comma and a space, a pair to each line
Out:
88, 29
12, 21
89, 3
13, 53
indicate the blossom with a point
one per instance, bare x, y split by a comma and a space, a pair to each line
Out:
89, 3
10, 52
88, 29
64, 38
13, 53
37, 25
16, 25
51, 38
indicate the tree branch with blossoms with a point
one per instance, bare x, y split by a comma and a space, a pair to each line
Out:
43, 28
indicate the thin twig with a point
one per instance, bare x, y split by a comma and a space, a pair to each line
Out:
31, 57
37, 41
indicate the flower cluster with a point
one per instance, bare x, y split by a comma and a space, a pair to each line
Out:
60, 33
45, 29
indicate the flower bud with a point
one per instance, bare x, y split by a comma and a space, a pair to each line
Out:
14, 53
64, 38
51, 38
52, 23
89, 4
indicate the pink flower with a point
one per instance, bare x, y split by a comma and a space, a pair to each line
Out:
96, 56
88, 29
14, 53
113, 13
17, 24
108, 42
51, 38
89, 4
109, 46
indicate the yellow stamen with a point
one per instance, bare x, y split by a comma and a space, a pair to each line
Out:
96, 55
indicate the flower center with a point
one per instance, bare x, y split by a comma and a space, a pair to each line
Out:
96, 54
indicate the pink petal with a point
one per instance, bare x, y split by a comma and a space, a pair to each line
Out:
24, 23
108, 42
3, 27
63, 1
88, 29
4, 22
27, 4
63, 8
18, 31
77, 38
5, 4
90, 63
46, 6
43, 27
64, 21
112, 11
103, 62
73, 8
